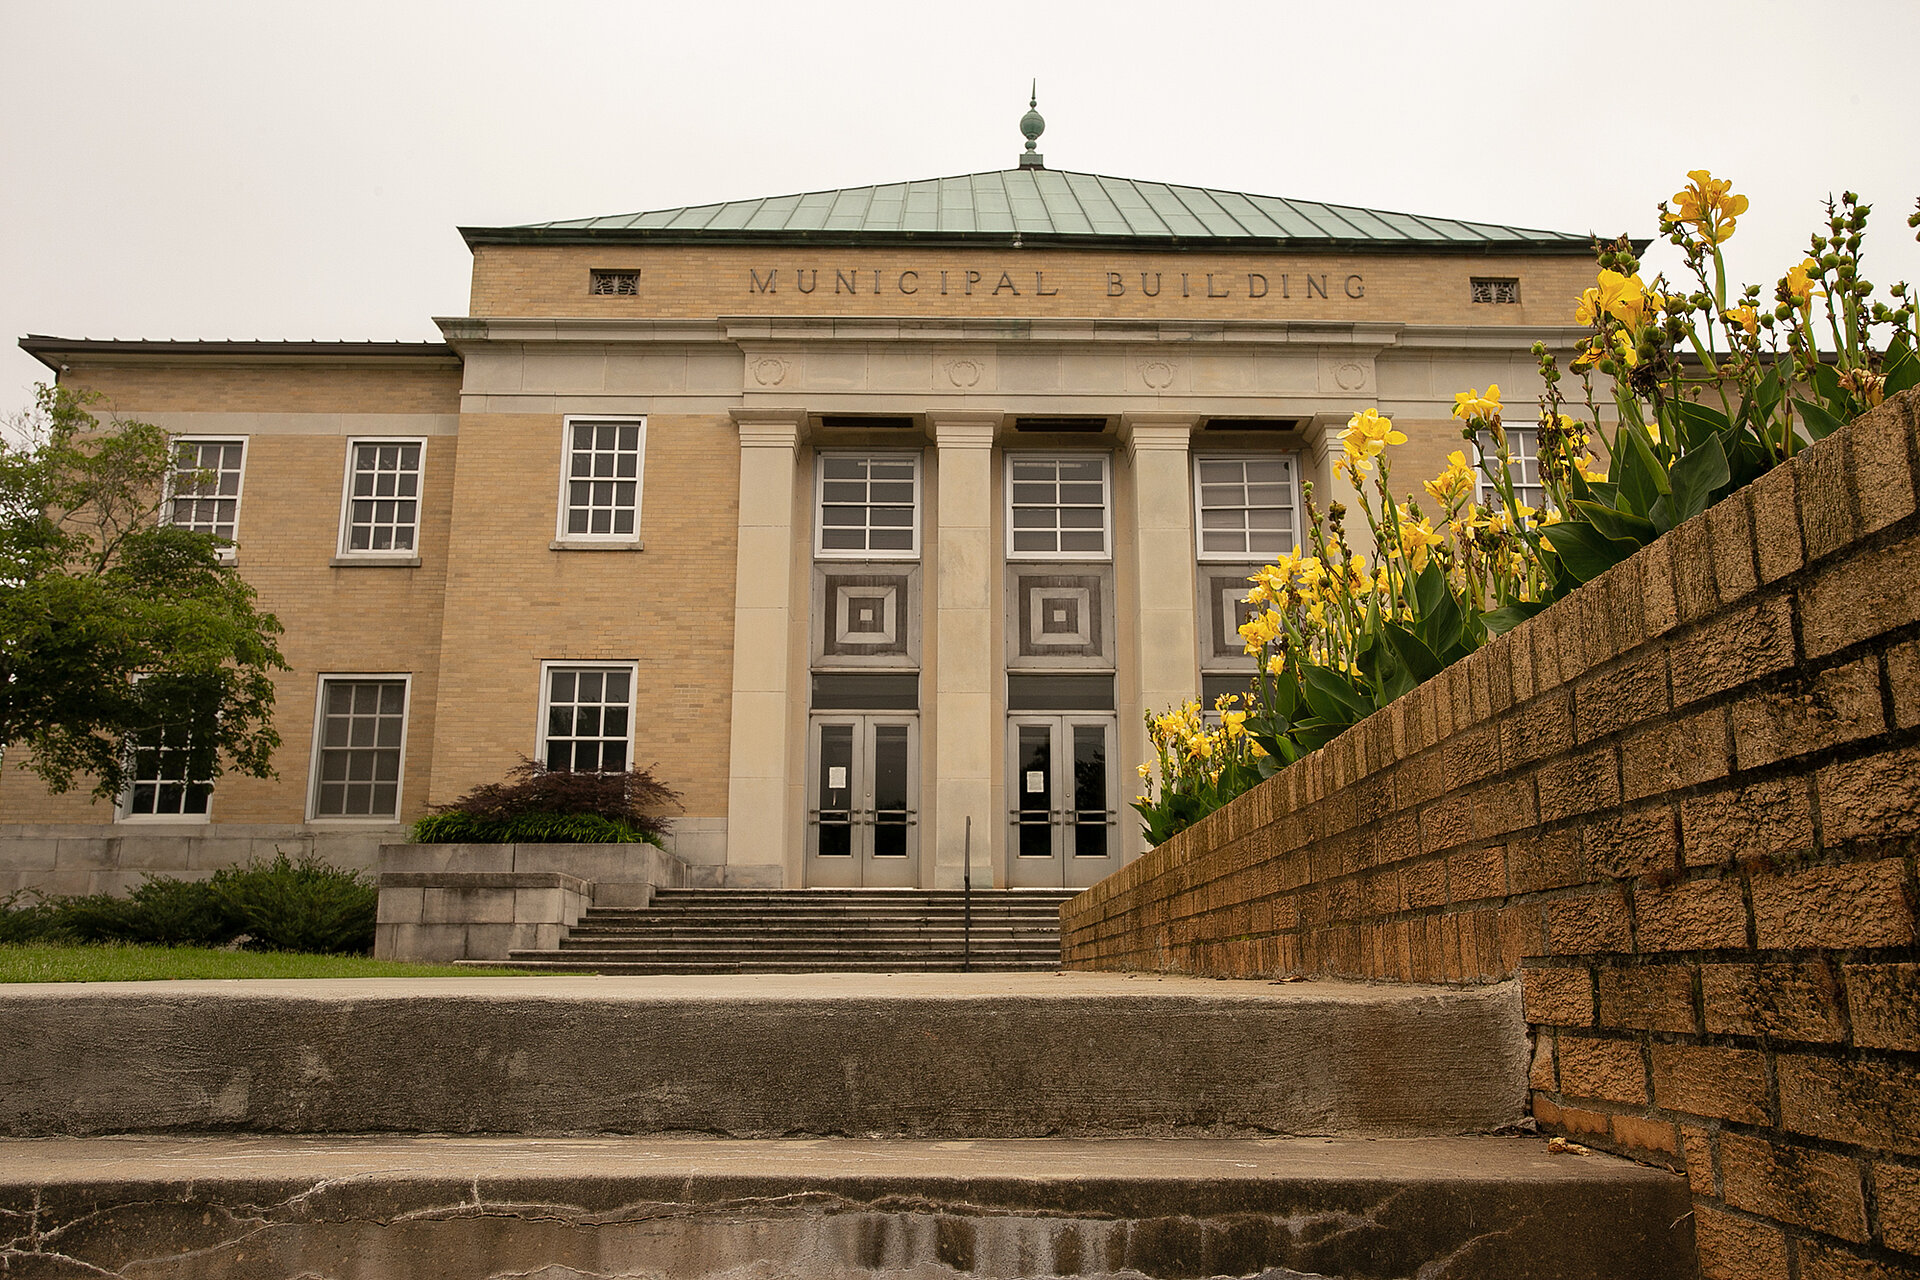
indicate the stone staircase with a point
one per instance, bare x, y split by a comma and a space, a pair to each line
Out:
812, 931
1000, 1126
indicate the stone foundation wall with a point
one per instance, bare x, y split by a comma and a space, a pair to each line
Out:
68, 859
1683, 805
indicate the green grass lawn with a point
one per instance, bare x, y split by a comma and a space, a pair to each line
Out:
71, 962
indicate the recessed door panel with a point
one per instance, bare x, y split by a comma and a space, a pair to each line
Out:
863, 807
1060, 809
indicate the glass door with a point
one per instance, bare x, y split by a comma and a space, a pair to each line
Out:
863, 808
1063, 830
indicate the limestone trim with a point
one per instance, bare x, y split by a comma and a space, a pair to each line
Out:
760, 764
965, 568
218, 424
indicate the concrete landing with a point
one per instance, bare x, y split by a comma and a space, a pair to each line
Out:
901, 1055
377, 1208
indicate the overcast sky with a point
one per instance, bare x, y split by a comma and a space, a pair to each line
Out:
261, 169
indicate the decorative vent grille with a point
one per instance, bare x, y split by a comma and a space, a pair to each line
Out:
619, 284
1495, 289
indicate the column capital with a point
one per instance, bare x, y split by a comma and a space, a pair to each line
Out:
963, 429
770, 428
1157, 430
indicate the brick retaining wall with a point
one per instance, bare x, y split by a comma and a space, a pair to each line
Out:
1683, 805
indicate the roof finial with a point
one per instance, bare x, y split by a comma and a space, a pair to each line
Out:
1033, 126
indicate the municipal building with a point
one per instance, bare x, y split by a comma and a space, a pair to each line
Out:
871, 517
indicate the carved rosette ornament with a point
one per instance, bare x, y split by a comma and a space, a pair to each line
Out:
963, 373
769, 371
1157, 374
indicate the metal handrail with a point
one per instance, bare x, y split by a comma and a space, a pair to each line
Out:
966, 901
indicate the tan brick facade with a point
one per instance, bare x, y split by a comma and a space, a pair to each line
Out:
788, 348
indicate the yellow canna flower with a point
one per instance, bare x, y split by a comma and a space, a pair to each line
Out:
1276, 664
1146, 771
1584, 465
1415, 542
1707, 203
1800, 281
1745, 317
1474, 407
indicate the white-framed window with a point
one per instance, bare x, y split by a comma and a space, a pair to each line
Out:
867, 506
359, 746
380, 505
161, 785
1523, 444
1057, 507
203, 490
586, 716
600, 479
1245, 505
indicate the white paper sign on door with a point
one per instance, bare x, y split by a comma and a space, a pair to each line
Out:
836, 777
1036, 781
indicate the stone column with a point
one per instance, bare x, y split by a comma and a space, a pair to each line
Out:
1166, 638
1322, 440
760, 755
967, 575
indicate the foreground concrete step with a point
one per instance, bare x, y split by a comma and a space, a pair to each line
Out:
920, 1055
693, 1209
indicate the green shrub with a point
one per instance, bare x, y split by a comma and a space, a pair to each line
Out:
165, 911
26, 916
537, 805
300, 906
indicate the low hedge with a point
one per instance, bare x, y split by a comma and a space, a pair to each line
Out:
282, 905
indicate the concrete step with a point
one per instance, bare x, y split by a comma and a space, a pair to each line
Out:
383, 1208
932, 1055
631, 967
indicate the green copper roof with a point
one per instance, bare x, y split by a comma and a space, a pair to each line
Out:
1042, 205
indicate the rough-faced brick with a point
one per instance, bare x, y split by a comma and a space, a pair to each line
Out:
1646, 1135
1793, 1184
1826, 498
1879, 442
1697, 1144
1733, 1247
1578, 783
1874, 1104
1707, 1080
1692, 915
1620, 695
1782, 1000
1540, 1071
1588, 923
1576, 1122
1822, 1261
1562, 997
1896, 1188
1545, 860
1795, 718
1741, 644
1659, 611
1537, 729
1683, 752
1647, 998
1771, 818
1692, 556
1862, 595
1884, 1001
1860, 904
1730, 530
1870, 799
1633, 843
1502, 806
1774, 504
1477, 873
1903, 677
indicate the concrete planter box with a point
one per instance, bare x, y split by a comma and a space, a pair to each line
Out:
441, 902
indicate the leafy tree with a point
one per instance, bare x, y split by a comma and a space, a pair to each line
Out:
113, 621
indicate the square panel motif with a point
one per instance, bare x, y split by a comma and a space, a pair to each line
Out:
1223, 609
1059, 619
863, 619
